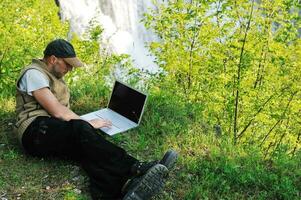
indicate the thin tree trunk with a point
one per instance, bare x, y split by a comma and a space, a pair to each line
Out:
266, 152
279, 142
297, 142
1, 61
260, 68
235, 129
260, 81
191, 60
262, 56
192, 45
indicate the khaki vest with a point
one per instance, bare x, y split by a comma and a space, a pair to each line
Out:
27, 108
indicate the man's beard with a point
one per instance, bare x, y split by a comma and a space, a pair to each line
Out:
55, 73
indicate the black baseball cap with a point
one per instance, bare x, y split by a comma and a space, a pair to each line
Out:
61, 48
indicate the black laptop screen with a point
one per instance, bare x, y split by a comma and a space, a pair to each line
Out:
127, 102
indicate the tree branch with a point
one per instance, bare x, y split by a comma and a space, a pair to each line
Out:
279, 120
250, 122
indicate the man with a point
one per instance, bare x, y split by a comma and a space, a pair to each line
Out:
46, 126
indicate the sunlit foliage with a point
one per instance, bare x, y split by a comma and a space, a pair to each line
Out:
239, 60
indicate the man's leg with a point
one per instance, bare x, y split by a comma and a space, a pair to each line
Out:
108, 165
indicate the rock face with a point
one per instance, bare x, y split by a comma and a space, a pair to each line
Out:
123, 31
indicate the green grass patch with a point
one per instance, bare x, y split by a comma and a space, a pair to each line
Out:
209, 167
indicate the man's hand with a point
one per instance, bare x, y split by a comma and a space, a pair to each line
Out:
99, 123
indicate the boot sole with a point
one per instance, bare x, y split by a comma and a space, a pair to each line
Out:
169, 159
149, 185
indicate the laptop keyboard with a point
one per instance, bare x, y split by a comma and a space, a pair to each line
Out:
112, 130
113, 118
107, 118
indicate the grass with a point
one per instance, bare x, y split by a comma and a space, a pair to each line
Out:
209, 167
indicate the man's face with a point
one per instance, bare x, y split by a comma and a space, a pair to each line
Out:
61, 68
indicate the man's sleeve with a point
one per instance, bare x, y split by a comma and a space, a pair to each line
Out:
33, 80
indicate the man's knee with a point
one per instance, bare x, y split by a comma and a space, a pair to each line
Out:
79, 124
84, 129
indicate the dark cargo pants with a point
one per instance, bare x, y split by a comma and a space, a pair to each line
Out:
107, 165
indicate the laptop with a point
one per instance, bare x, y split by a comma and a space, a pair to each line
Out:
124, 110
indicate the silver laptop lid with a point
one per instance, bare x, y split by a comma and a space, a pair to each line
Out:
127, 101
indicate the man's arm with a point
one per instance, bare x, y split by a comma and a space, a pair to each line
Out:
50, 103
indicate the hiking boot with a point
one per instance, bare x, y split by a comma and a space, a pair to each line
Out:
140, 168
148, 185
169, 159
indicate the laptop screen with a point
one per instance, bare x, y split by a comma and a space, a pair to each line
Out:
127, 102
